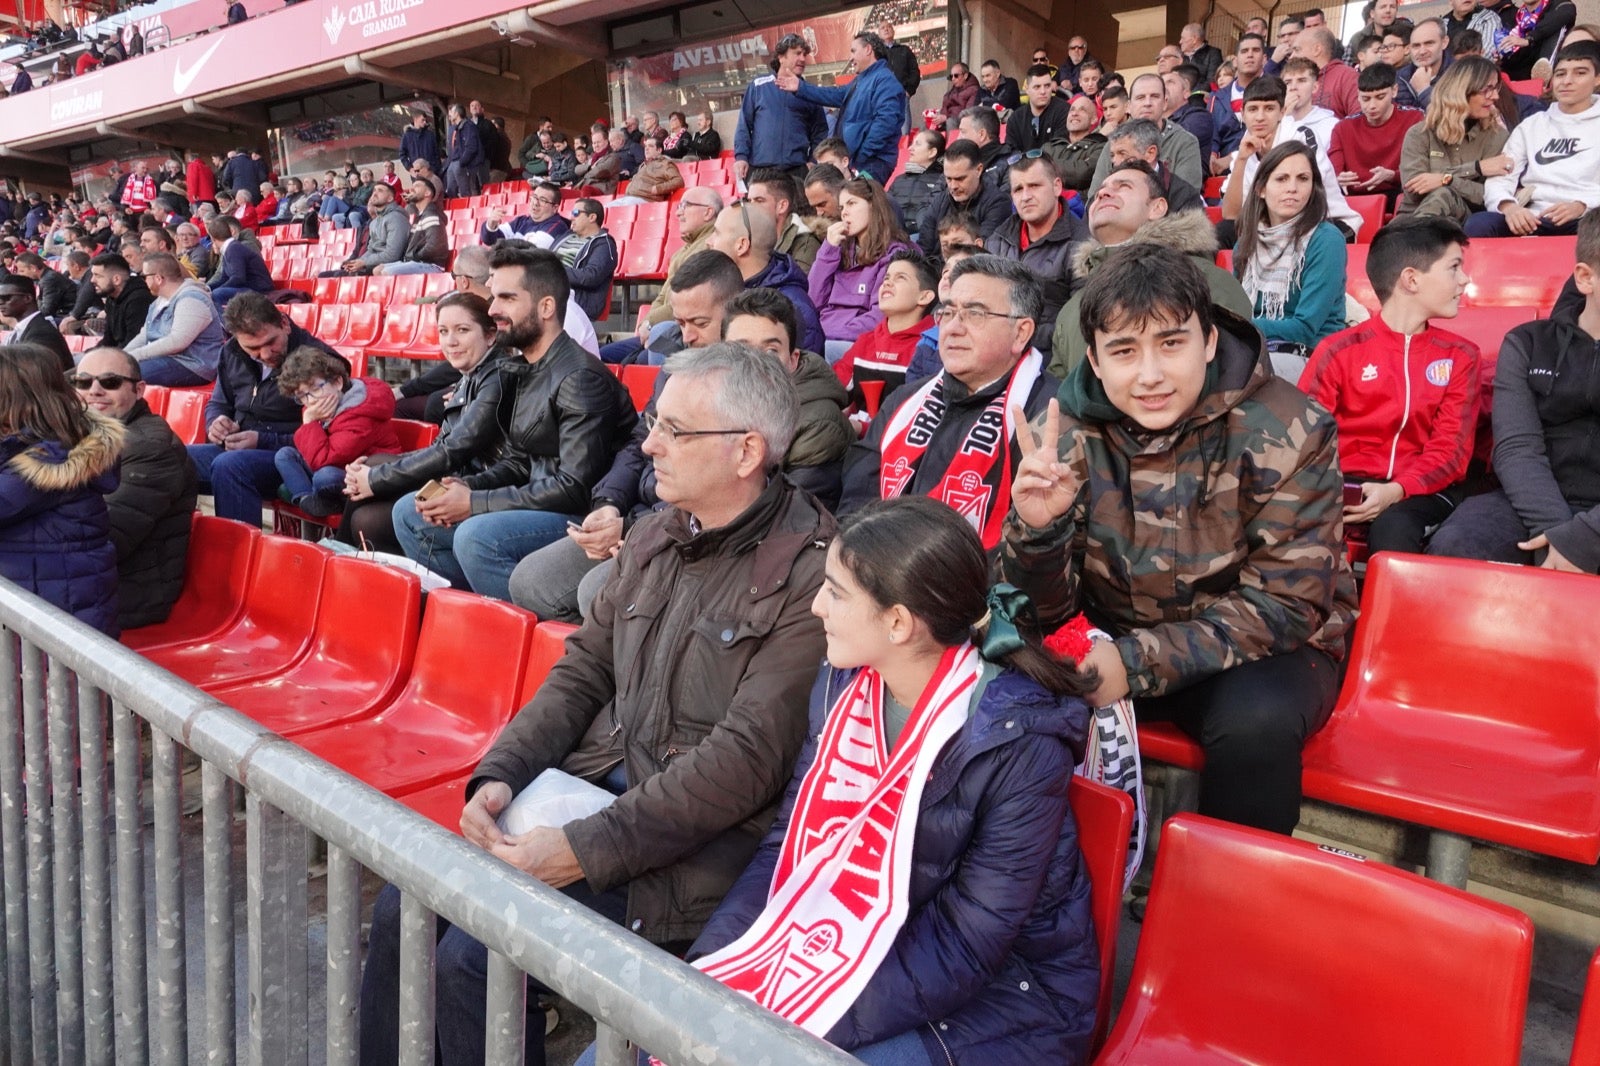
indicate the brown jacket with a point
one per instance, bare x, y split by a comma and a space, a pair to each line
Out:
658, 179
693, 670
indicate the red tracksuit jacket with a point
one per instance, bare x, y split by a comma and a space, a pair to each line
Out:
1406, 407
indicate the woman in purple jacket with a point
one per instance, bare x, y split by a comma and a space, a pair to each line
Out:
845, 279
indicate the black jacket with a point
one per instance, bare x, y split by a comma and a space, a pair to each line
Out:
1020, 135
125, 314
430, 238
913, 193
87, 301
569, 416
991, 209
150, 514
862, 462
707, 145
903, 62
1008, 94
469, 439
40, 331
1049, 260
253, 401
57, 294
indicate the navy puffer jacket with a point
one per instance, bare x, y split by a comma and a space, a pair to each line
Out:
997, 963
55, 531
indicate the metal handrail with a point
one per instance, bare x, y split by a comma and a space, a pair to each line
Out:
63, 1001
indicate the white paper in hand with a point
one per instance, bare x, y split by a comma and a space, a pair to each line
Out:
552, 800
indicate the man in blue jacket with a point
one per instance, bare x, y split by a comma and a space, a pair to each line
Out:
463, 157
776, 128
419, 142
871, 107
240, 267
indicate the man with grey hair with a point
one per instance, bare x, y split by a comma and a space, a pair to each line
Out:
1429, 52
684, 693
1207, 57
964, 449
1139, 140
1178, 150
191, 253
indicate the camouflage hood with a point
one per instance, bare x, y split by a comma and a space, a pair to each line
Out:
1239, 369
1190, 232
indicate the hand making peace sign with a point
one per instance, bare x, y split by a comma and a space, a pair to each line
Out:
1044, 487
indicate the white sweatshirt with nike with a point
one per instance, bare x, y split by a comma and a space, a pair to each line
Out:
1556, 156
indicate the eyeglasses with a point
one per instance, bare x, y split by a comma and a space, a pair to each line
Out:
744, 214
109, 382
310, 393
652, 422
696, 203
968, 316
547, 201
1487, 90
1077, 47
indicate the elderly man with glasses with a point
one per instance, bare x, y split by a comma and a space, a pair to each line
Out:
542, 225
964, 448
153, 504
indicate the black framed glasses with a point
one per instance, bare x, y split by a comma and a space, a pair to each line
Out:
109, 382
968, 316
653, 422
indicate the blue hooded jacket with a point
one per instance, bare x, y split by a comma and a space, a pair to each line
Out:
872, 109
997, 961
55, 531
776, 129
784, 275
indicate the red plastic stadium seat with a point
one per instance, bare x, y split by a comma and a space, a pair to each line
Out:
326, 291
360, 653
442, 802
186, 414
437, 284
1586, 1044
426, 343
1529, 87
1469, 705
399, 329
1212, 189
413, 434
548, 646
352, 290
379, 289
1487, 328
365, 320
1518, 271
1370, 208
444, 721
280, 607
358, 363
1166, 743
641, 261
220, 555
1258, 948
304, 315
1105, 818
333, 321
155, 397
408, 288
641, 383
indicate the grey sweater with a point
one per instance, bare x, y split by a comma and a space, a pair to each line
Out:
386, 237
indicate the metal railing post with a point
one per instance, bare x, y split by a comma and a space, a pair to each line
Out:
98, 999
13, 856
68, 875
217, 833
277, 848
344, 956
41, 864
507, 1010
417, 942
171, 1023
133, 1012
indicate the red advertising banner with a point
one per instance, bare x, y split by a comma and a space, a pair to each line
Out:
303, 35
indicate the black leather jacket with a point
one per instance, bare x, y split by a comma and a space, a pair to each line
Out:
469, 439
569, 416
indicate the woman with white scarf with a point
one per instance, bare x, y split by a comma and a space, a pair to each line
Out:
921, 897
1290, 259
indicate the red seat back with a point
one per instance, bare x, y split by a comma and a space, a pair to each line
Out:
414, 434
399, 328
1370, 208
216, 574
640, 381
333, 323
186, 414
407, 289
304, 315
548, 646
379, 288
1262, 948
1525, 272
363, 325
1586, 1043
156, 397
368, 620
1105, 820
456, 628
326, 291
352, 290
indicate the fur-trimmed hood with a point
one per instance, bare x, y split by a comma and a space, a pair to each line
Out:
1190, 232
49, 467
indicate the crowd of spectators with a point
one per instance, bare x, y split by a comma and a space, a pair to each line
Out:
1015, 354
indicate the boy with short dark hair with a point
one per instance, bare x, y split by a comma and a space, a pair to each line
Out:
1555, 158
1546, 419
1404, 393
909, 291
1187, 501
341, 420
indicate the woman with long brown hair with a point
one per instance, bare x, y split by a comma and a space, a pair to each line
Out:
57, 462
1460, 142
851, 263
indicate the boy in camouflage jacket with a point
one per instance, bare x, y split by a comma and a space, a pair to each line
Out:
1189, 503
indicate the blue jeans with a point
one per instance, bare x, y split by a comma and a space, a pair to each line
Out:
167, 370
319, 492
904, 1050
1493, 224
239, 480
480, 553
411, 268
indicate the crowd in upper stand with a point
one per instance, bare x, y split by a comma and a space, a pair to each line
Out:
998, 342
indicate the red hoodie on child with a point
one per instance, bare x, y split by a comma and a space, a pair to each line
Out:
879, 355
361, 425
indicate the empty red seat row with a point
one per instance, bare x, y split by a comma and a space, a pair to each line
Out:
386, 289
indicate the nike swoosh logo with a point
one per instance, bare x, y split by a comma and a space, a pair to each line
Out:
181, 79
1545, 160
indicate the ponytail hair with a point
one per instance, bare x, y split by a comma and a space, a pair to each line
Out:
916, 552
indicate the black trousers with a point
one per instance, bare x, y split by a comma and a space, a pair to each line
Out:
1252, 722
1404, 526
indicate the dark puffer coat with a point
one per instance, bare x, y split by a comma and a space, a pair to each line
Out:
55, 534
997, 962
151, 511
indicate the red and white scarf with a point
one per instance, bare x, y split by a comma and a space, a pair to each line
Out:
977, 483
838, 896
